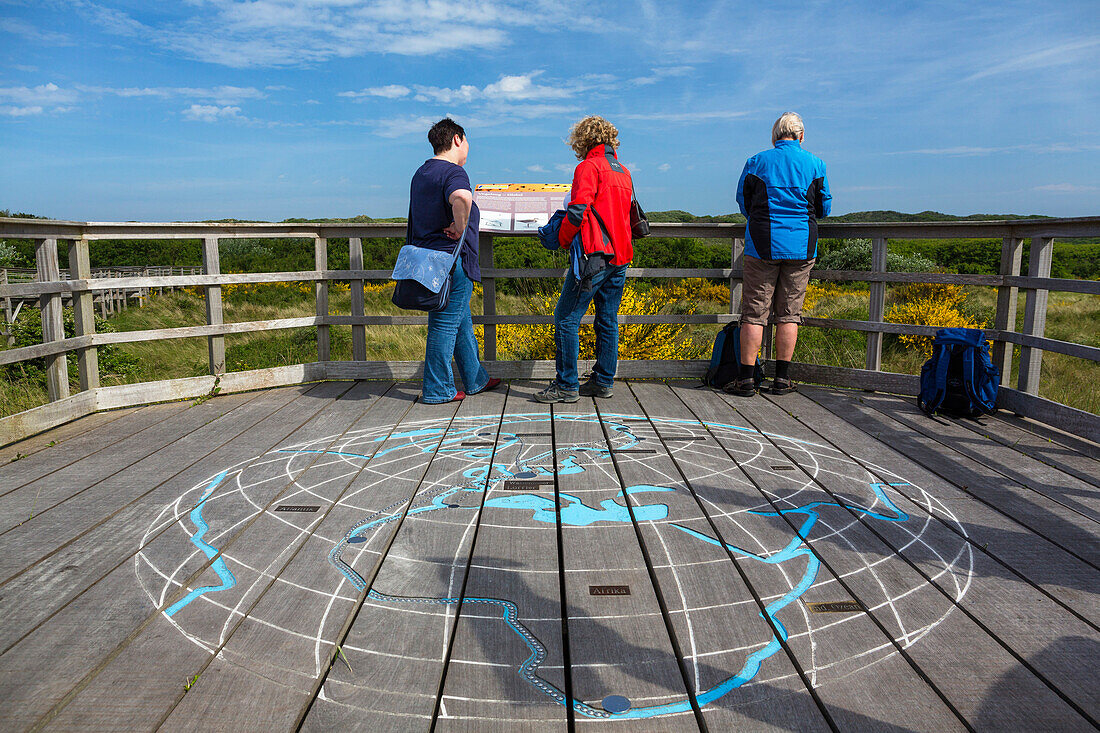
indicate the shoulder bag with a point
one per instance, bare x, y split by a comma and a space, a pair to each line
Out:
423, 276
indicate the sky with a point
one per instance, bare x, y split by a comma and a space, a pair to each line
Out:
271, 109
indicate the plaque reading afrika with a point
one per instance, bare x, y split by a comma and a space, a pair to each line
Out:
513, 208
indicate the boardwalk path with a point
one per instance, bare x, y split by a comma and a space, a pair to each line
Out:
341, 556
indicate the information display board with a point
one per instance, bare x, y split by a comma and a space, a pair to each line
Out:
511, 208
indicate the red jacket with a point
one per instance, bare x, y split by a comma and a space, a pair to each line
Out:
601, 185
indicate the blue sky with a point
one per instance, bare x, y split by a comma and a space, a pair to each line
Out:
271, 109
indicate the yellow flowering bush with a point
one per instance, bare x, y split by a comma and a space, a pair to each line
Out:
694, 289
816, 292
929, 304
244, 290
636, 341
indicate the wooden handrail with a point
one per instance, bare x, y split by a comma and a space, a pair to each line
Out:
51, 285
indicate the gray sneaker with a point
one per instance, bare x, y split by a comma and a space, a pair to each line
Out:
554, 393
592, 389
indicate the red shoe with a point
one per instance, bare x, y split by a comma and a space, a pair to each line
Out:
459, 396
491, 384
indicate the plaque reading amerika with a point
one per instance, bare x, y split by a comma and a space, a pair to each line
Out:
503, 470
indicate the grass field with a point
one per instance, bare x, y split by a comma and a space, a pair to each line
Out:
1071, 317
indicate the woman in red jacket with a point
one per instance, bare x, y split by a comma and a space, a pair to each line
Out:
597, 231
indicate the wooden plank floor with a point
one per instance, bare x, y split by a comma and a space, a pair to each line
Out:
341, 556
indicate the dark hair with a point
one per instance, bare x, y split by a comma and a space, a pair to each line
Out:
442, 134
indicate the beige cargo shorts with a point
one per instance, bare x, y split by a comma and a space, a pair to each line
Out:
775, 287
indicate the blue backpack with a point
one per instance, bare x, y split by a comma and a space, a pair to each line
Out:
725, 359
960, 378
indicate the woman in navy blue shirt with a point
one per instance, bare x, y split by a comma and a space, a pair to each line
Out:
441, 206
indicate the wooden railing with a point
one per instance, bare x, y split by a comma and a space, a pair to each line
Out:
108, 301
51, 288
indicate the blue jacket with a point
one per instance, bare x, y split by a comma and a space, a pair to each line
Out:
783, 192
578, 262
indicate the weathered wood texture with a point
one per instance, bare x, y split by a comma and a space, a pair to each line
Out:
514, 561
707, 597
320, 291
618, 644
55, 347
84, 317
211, 265
952, 559
358, 333
57, 372
1035, 313
381, 681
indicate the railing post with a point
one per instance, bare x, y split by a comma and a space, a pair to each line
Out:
80, 268
877, 304
1011, 253
9, 319
53, 327
211, 265
737, 262
358, 332
320, 290
488, 294
1035, 314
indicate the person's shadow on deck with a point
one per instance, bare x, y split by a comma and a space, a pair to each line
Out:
999, 709
761, 701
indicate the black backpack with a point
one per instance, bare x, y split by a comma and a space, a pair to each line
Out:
960, 378
725, 359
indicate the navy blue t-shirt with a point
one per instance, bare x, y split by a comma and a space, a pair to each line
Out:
430, 213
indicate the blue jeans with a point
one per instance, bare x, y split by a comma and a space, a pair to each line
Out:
451, 334
607, 291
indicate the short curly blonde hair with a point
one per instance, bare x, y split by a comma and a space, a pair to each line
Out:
590, 132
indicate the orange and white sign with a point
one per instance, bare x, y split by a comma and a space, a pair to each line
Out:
513, 208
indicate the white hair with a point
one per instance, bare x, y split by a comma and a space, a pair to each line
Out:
789, 125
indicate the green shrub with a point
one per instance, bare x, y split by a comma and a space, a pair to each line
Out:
855, 254
27, 331
10, 255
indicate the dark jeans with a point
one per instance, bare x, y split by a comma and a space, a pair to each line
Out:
607, 292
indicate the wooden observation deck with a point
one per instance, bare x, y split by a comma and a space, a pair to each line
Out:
315, 549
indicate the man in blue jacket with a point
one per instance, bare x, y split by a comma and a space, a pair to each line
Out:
782, 192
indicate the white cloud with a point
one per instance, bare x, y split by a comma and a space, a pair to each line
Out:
958, 150
701, 116
520, 87
390, 91
43, 95
664, 167
660, 74
509, 88
971, 150
20, 111
220, 94
466, 93
401, 126
212, 113
537, 169
280, 33
1062, 54
28, 32
1066, 188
